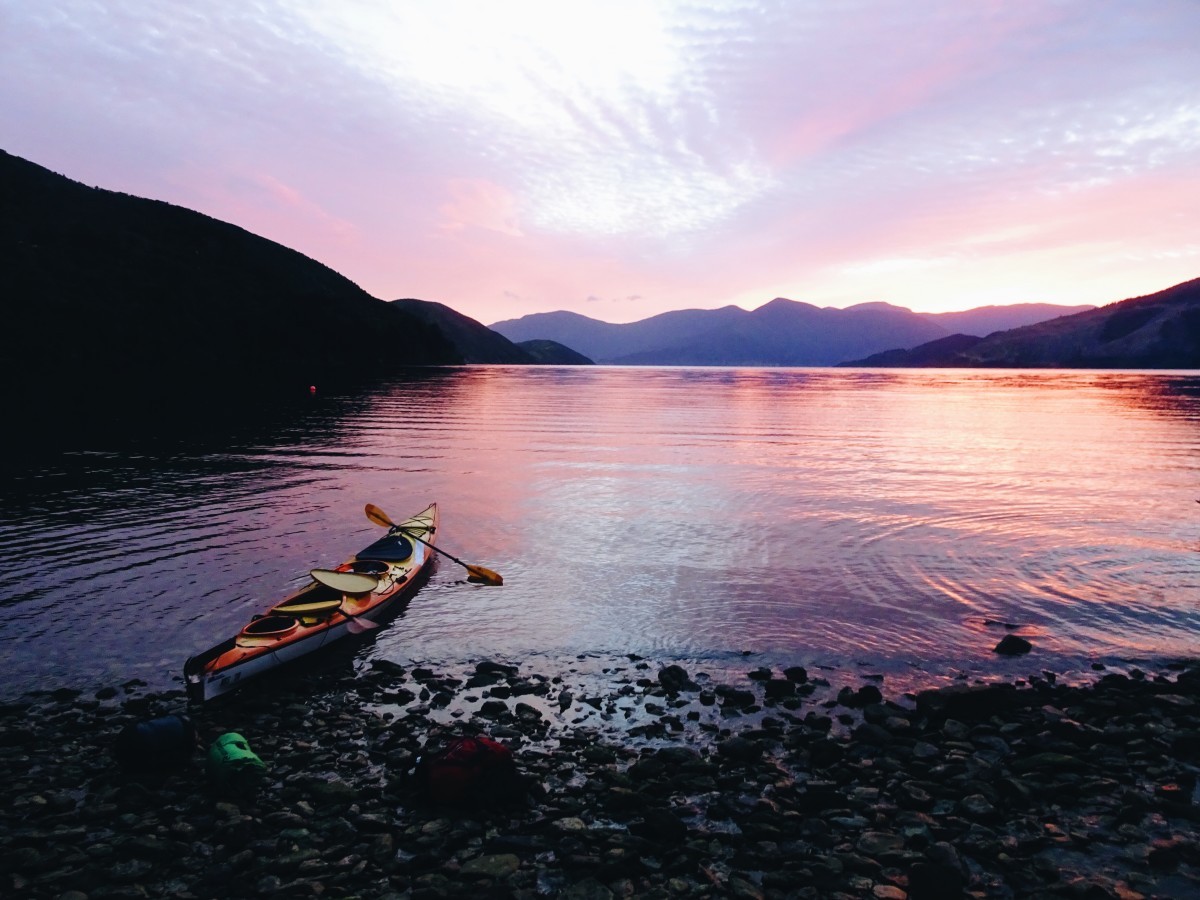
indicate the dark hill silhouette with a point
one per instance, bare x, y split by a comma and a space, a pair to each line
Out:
475, 342
930, 354
114, 296
1157, 331
780, 333
985, 320
552, 353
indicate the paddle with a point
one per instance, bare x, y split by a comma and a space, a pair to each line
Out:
352, 583
354, 625
479, 574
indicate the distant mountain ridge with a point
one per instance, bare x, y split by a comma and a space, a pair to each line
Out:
1156, 331
779, 333
114, 298
475, 343
478, 344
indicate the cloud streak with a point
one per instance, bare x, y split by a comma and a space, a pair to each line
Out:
520, 157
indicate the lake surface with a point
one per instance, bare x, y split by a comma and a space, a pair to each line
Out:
899, 522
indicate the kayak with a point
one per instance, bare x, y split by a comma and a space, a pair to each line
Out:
349, 599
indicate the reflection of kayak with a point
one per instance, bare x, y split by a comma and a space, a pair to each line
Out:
347, 600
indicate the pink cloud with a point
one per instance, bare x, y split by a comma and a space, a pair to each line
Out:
919, 153
478, 203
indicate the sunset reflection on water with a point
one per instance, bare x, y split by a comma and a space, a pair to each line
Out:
909, 518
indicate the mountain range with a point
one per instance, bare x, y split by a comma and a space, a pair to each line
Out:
116, 299
779, 333
1157, 331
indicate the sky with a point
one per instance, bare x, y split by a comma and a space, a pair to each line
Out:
627, 157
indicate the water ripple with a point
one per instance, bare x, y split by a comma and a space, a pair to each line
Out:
907, 519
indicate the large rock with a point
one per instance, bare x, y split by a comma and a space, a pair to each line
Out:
1012, 645
674, 678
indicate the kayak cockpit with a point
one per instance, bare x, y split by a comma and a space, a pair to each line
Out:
392, 548
267, 629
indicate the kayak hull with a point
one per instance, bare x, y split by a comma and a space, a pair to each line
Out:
319, 614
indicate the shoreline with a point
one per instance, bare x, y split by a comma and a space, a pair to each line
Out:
902, 675
659, 782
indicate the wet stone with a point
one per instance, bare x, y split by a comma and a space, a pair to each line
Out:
877, 844
976, 806
778, 689
494, 866
674, 678
1013, 645
740, 749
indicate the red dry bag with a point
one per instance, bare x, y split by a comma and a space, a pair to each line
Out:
470, 770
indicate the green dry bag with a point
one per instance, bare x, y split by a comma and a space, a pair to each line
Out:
232, 766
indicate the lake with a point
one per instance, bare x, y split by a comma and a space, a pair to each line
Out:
893, 521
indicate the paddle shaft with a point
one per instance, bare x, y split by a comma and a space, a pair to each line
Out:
485, 576
407, 533
479, 573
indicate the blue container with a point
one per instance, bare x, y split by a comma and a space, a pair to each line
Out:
156, 745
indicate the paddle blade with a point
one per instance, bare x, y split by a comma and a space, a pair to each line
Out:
352, 583
480, 575
358, 626
378, 516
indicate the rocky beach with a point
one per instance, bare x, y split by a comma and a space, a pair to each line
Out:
643, 779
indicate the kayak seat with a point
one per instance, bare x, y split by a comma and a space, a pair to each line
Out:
392, 548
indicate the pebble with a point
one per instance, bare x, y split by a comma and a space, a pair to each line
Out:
663, 787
